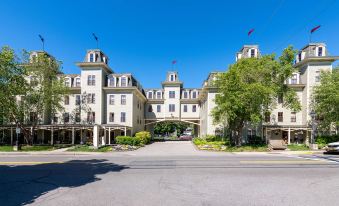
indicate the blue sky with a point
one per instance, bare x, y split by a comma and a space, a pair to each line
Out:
143, 37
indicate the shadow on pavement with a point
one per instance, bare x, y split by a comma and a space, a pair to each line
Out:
20, 185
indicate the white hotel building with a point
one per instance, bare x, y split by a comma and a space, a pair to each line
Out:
103, 104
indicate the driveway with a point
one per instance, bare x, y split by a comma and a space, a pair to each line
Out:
170, 148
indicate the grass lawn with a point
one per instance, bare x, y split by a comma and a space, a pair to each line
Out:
86, 148
33, 148
298, 147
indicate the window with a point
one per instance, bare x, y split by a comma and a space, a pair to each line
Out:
194, 108
150, 95
293, 117
112, 81
123, 81
66, 117
252, 52
280, 99
171, 94
158, 108
77, 100
172, 79
111, 99
33, 117
111, 117
317, 76
320, 51
267, 117
123, 117
280, 117
194, 95
77, 82
91, 57
67, 82
66, 100
123, 99
91, 117
299, 56
294, 79
185, 95
91, 80
185, 108
77, 117
91, 98
150, 108
55, 119
171, 108
158, 95
33, 81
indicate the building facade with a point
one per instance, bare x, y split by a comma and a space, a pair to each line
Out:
103, 104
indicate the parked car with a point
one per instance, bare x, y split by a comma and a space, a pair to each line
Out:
185, 137
332, 147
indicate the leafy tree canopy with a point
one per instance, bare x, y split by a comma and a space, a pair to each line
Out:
250, 88
326, 99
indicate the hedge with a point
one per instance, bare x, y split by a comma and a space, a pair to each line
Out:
127, 140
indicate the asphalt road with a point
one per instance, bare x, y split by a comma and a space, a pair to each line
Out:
169, 174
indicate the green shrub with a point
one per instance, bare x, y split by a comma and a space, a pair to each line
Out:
199, 141
127, 140
324, 140
144, 136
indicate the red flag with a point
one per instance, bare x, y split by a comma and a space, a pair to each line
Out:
315, 29
250, 32
174, 61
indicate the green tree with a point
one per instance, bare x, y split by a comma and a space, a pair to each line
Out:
46, 89
326, 100
12, 86
250, 88
31, 90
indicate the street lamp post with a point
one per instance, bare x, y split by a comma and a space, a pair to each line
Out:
312, 142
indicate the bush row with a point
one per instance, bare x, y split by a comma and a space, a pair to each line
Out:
141, 138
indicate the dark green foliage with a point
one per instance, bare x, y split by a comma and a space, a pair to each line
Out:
324, 140
326, 100
250, 88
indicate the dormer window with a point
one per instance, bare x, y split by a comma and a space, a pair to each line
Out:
172, 78
252, 52
123, 81
77, 82
185, 95
194, 95
299, 57
112, 81
150, 95
158, 95
320, 51
34, 57
91, 57
67, 82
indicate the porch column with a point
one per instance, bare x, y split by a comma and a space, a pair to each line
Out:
96, 136
125, 132
109, 135
43, 136
11, 135
73, 137
80, 136
52, 136
289, 136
